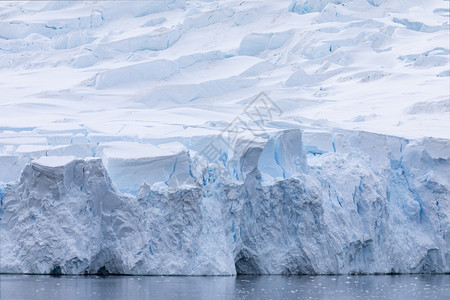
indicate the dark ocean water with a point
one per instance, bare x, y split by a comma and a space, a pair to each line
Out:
397, 287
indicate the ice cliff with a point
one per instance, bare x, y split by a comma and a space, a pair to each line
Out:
325, 203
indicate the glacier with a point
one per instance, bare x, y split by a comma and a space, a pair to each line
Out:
108, 108
271, 208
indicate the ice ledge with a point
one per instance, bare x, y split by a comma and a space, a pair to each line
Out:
53, 161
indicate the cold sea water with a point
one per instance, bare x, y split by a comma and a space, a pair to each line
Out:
17, 287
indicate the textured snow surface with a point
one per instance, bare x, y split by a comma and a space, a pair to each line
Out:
107, 108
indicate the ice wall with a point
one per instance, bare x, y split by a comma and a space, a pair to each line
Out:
322, 203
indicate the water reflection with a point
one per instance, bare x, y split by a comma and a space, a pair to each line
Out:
243, 287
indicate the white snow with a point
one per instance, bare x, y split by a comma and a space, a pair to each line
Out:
347, 171
53, 161
131, 164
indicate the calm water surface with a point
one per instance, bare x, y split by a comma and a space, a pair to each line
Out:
397, 287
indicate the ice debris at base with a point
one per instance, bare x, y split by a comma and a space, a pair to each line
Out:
358, 203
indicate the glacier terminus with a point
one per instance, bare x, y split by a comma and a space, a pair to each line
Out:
132, 140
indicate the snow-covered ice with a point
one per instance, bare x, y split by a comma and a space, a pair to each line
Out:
107, 110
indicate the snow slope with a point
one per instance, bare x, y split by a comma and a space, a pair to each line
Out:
110, 110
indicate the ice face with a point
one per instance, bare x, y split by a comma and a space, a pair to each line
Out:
377, 205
